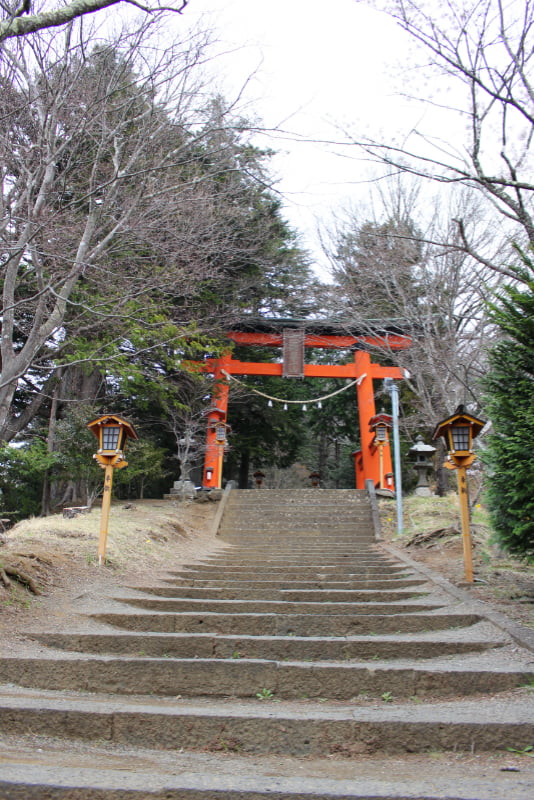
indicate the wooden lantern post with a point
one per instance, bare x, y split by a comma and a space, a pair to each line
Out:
380, 425
112, 433
458, 431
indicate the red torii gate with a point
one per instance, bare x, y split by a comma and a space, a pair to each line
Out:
367, 459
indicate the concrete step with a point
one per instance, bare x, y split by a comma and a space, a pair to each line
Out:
295, 648
310, 547
43, 768
363, 549
353, 525
356, 538
323, 595
313, 530
286, 625
299, 729
249, 583
298, 496
316, 540
346, 566
325, 573
281, 607
210, 677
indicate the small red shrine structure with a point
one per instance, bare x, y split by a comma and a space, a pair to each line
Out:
293, 336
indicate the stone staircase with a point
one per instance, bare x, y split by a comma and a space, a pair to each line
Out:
299, 661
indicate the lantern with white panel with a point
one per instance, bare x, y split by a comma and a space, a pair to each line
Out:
458, 432
112, 433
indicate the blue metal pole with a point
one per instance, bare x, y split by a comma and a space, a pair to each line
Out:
393, 389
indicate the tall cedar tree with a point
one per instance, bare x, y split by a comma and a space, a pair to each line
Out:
510, 385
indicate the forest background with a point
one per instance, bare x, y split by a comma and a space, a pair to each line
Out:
140, 220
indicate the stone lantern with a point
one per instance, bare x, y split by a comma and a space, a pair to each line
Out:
422, 454
258, 477
315, 477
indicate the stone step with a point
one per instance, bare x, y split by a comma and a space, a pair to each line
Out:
356, 534
298, 496
315, 544
292, 514
210, 677
298, 729
353, 533
348, 566
278, 668
349, 526
209, 645
354, 524
286, 625
292, 573
295, 515
281, 607
249, 583
307, 548
59, 772
360, 554
323, 595
269, 565
281, 536
357, 554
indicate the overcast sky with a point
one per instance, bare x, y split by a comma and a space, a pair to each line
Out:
316, 66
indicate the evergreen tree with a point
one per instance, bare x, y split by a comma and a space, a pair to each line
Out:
510, 385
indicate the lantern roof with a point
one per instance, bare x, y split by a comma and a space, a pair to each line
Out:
112, 419
380, 419
460, 417
323, 326
421, 447
214, 410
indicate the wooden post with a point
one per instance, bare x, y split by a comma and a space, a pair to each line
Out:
220, 466
381, 460
214, 457
366, 410
466, 533
104, 519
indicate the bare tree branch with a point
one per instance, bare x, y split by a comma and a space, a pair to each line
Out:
482, 50
18, 25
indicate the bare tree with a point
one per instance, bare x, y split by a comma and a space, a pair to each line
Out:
84, 147
390, 272
124, 191
185, 418
20, 18
483, 50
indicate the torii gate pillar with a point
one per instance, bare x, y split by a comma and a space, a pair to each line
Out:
367, 459
217, 415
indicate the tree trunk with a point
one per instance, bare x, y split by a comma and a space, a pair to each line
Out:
442, 474
337, 456
322, 456
244, 466
50, 445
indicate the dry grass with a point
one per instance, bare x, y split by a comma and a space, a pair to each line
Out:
500, 578
142, 532
52, 556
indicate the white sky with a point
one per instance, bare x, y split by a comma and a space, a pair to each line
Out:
316, 64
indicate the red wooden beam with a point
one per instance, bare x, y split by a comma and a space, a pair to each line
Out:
310, 370
393, 341
376, 371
